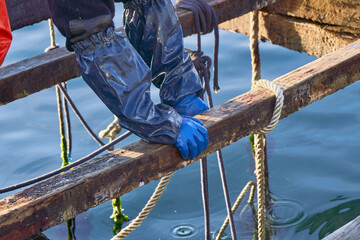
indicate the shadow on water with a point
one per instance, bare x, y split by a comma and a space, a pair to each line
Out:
330, 220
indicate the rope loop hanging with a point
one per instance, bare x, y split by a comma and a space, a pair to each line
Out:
205, 22
278, 104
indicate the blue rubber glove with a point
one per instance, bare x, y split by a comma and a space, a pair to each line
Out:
193, 138
190, 105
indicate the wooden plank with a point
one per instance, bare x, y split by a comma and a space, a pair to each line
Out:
21, 12
37, 73
43, 71
297, 34
63, 197
331, 12
225, 10
349, 231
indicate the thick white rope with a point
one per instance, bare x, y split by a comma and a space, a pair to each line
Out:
111, 131
278, 104
249, 185
259, 137
146, 210
259, 141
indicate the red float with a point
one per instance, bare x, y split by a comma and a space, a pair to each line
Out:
5, 31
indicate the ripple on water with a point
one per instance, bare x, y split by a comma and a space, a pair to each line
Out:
184, 231
285, 213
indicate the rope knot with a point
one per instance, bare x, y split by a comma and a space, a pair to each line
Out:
278, 104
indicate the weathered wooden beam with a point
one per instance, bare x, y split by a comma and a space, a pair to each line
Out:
63, 197
225, 10
27, 12
37, 73
297, 34
21, 12
43, 71
343, 13
349, 231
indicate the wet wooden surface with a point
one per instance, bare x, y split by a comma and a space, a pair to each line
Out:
37, 73
349, 231
225, 10
22, 12
65, 196
343, 13
296, 34
43, 71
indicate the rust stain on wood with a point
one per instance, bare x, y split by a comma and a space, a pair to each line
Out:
343, 13
297, 34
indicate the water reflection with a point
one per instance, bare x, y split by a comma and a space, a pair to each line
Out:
329, 220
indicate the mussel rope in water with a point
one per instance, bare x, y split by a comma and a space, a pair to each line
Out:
70, 223
259, 137
146, 210
249, 186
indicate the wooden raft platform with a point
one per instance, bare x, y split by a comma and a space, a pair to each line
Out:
349, 231
65, 196
314, 27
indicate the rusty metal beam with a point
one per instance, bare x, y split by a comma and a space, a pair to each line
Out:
67, 195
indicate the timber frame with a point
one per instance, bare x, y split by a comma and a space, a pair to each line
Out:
52, 201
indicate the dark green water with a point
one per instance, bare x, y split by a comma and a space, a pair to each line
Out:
313, 154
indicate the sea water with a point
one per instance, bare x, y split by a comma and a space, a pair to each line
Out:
313, 155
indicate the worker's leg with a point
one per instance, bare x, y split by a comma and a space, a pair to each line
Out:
119, 76
155, 31
121, 79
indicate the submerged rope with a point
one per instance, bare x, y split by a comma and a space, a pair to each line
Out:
259, 140
70, 224
259, 137
146, 210
249, 186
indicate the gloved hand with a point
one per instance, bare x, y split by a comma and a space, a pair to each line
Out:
192, 139
190, 105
